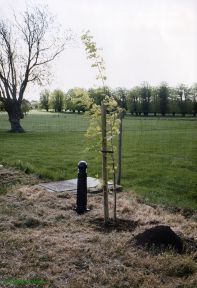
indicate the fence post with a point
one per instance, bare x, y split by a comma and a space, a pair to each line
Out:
82, 188
104, 162
119, 172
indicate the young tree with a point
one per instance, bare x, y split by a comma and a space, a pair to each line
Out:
44, 99
27, 47
57, 100
104, 121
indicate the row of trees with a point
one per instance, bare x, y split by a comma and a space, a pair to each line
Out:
74, 100
140, 100
163, 100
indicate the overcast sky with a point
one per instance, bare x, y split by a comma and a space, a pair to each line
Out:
142, 40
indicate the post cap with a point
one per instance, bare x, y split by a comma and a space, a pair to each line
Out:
82, 165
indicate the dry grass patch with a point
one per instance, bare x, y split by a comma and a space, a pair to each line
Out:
43, 238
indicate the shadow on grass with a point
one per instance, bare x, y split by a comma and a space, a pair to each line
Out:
119, 226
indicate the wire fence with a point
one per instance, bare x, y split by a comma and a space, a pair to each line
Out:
159, 153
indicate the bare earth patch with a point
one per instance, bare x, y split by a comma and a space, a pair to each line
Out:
43, 239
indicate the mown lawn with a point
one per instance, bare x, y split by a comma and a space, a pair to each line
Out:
159, 154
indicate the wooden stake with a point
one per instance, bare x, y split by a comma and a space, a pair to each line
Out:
119, 173
104, 162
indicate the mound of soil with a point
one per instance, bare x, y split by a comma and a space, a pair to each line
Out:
160, 238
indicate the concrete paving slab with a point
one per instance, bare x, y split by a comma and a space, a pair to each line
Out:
69, 185
93, 185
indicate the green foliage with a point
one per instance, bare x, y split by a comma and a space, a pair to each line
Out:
154, 101
2, 107
113, 110
77, 99
95, 58
182, 92
194, 99
57, 100
26, 106
35, 105
120, 95
145, 98
94, 130
112, 121
163, 98
98, 94
44, 99
134, 101
173, 102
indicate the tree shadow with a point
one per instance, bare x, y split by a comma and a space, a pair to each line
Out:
120, 225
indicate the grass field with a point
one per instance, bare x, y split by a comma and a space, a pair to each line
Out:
159, 154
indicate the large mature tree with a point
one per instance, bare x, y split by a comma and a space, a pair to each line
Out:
194, 98
120, 95
35, 104
163, 98
145, 98
154, 105
27, 47
26, 106
183, 96
173, 101
57, 100
134, 101
98, 94
77, 99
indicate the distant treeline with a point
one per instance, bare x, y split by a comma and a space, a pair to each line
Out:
140, 100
